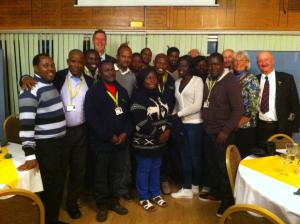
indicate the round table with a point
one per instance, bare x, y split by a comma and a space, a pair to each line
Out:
253, 187
28, 180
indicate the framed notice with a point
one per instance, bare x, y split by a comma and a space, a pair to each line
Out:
87, 3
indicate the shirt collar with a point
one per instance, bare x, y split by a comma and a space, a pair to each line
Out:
225, 72
270, 75
102, 57
122, 73
89, 73
40, 79
75, 78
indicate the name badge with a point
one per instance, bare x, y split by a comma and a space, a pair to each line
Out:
206, 104
71, 108
119, 110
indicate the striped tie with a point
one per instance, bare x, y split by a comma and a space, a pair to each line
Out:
264, 104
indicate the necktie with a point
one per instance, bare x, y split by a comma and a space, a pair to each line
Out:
264, 104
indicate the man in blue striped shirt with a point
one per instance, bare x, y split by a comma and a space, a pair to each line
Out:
43, 127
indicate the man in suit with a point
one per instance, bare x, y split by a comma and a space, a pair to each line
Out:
99, 41
278, 103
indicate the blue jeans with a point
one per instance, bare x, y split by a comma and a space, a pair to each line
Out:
148, 176
191, 154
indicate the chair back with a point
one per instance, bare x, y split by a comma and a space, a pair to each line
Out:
242, 213
21, 207
280, 140
233, 159
11, 128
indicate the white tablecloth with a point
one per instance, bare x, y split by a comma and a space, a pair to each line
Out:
29, 179
252, 187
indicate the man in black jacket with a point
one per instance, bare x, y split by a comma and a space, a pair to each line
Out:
107, 115
279, 103
99, 41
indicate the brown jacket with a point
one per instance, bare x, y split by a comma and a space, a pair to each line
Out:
225, 105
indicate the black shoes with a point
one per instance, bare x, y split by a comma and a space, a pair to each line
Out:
119, 209
102, 215
127, 197
223, 206
74, 212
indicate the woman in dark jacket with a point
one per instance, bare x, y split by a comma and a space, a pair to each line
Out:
150, 113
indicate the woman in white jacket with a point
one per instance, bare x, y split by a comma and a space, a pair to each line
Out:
189, 95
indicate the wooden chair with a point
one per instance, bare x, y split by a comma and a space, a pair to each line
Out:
233, 159
280, 140
21, 206
11, 128
242, 213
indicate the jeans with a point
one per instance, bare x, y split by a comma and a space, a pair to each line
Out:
191, 154
148, 176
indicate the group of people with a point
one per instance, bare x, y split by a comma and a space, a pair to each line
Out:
115, 121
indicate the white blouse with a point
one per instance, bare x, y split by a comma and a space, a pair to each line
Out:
189, 101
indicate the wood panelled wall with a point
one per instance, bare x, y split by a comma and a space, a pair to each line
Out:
231, 14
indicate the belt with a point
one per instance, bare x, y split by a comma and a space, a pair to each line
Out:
268, 122
77, 126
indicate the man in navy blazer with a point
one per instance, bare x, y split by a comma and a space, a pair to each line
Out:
108, 119
279, 108
99, 41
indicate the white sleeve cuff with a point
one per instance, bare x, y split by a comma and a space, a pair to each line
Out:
30, 157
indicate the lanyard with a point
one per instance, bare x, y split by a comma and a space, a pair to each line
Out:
73, 95
115, 99
211, 85
161, 90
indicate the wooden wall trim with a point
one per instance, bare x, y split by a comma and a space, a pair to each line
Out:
231, 15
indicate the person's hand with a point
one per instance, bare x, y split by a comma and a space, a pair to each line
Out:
164, 137
122, 138
244, 120
28, 83
28, 165
115, 139
222, 137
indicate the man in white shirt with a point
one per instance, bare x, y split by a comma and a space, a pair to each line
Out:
99, 41
278, 100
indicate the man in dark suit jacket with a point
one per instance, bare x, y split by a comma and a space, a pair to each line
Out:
99, 41
279, 108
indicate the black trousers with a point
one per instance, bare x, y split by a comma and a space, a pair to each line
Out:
52, 157
245, 140
216, 164
126, 177
109, 171
266, 130
77, 148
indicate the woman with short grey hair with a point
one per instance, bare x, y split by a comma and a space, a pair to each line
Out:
245, 136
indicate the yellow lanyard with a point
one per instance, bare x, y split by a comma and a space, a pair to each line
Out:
165, 77
73, 95
211, 85
115, 99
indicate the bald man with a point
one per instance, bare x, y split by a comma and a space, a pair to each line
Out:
278, 100
228, 58
194, 53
